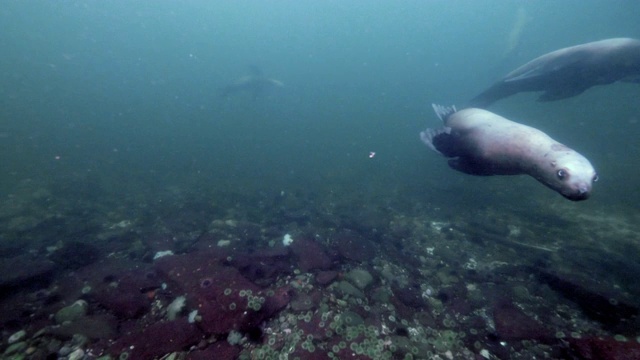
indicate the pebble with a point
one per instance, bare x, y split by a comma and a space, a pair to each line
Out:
76, 355
15, 348
17, 336
64, 351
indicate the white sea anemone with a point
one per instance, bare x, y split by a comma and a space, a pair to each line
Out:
160, 254
287, 240
175, 307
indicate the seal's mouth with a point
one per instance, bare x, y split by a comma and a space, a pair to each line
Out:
575, 197
578, 195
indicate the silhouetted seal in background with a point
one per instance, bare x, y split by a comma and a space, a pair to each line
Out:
480, 142
570, 71
255, 83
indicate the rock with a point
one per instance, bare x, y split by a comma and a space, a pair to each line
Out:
77, 354
310, 255
17, 336
603, 348
348, 289
16, 348
72, 312
124, 300
158, 339
265, 265
74, 255
24, 271
513, 324
94, 327
326, 277
352, 246
312, 327
351, 318
360, 278
381, 295
610, 309
65, 350
124, 293
303, 302
248, 231
220, 350
225, 299
125, 304
409, 294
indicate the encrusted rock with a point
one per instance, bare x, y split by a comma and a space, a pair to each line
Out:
360, 278
310, 255
72, 312
158, 339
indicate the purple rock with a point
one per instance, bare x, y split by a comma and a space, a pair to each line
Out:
23, 270
352, 246
326, 277
604, 348
263, 266
310, 255
158, 339
513, 324
125, 296
222, 296
220, 350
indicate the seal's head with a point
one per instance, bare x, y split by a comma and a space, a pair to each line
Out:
575, 186
572, 175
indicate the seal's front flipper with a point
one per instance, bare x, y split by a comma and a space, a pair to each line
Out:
545, 66
469, 166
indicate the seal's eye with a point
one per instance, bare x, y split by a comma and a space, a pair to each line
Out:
595, 178
562, 174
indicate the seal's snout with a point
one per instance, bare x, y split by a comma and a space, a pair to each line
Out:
581, 193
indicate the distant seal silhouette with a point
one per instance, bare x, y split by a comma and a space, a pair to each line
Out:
570, 71
255, 83
480, 142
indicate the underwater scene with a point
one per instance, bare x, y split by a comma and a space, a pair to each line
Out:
320, 179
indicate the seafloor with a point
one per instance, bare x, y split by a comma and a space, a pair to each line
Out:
82, 278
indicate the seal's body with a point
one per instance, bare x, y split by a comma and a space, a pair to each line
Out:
480, 142
570, 71
255, 84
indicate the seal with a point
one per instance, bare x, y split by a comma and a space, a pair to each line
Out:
479, 142
569, 71
255, 83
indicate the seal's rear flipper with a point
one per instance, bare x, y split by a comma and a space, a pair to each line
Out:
428, 135
443, 112
497, 91
440, 140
